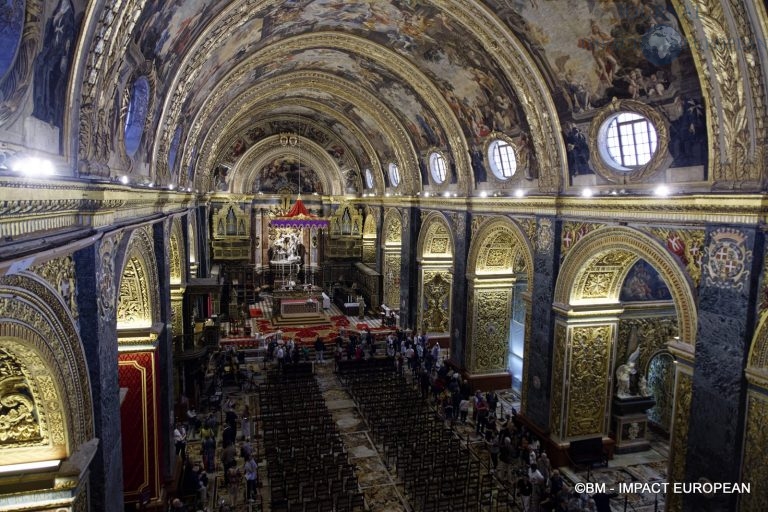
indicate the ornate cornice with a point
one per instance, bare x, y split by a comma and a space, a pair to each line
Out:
31, 206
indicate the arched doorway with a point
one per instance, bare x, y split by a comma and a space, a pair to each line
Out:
435, 263
589, 314
392, 258
138, 327
46, 410
499, 271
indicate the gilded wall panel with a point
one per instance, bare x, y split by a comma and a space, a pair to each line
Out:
754, 467
393, 231
392, 262
23, 420
177, 317
687, 245
490, 332
572, 233
679, 440
436, 301
558, 381
176, 260
60, 274
588, 388
105, 277
497, 252
134, 307
650, 333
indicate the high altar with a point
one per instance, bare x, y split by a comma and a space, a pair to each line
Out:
298, 305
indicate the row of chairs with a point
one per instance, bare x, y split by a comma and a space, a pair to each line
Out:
437, 470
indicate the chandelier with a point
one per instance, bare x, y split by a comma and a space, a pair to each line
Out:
298, 216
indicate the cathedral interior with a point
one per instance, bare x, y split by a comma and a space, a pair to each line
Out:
569, 196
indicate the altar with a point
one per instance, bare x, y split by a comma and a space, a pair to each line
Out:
298, 305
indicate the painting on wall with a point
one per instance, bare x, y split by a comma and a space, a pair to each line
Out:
643, 283
284, 174
53, 62
11, 29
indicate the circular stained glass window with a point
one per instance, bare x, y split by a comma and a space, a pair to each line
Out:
394, 174
437, 167
138, 107
502, 159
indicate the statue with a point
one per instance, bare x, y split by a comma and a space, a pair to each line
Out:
642, 387
626, 376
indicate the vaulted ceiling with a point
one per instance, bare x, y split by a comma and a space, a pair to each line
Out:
364, 84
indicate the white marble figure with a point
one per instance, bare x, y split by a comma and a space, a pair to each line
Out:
626, 374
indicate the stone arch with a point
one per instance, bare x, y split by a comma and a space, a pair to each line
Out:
138, 305
435, 266
499, 256
595, 268
392, 240
500, 231
44, 369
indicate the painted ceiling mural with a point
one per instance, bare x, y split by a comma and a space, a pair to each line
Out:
605, 49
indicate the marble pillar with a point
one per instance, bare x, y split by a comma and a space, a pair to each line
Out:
727, 294
461, 241
96, 301
409, 294
538, 349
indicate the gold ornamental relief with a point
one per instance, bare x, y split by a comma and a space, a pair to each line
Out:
60, 273
436, 301
544, 235
588, 389
175, 252
687, 245
496, 253
558, 380
177, 317
678, 445
572, 233
604, 275
754, 468
134, 308
491, 330
393, 228
19, 420
392, 280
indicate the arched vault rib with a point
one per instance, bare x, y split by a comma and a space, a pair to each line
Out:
431, 96
210, 154
525, 79
249, 166
390, 127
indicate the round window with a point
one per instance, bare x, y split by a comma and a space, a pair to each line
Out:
437, 167
138, 107
502, 159
627, 141
394, 174
368, 178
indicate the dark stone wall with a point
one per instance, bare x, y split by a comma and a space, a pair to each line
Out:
99, 337
409, 294
461, 241
727, 295
160, 232
546, 263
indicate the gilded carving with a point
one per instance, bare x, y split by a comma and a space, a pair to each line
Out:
490, 330
369, 253
60, 273
496, 254
477, 221
175, 257
754, 468
436, 295
558, 380
572, 233
105, 277
435, 238
679, 441
15, 84
687, 245
19, 416
41, 320
134, 303
728, 259
651, 334
734, 101
393, 227
628, 240
391, 273
177, 317
529, 228
603, 276
544, 235
588, 389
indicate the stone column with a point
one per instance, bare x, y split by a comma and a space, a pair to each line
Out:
97, 302
408, 270
164, 351
461, 241
727, 301
538, 341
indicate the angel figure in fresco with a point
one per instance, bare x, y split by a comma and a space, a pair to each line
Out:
600, 45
